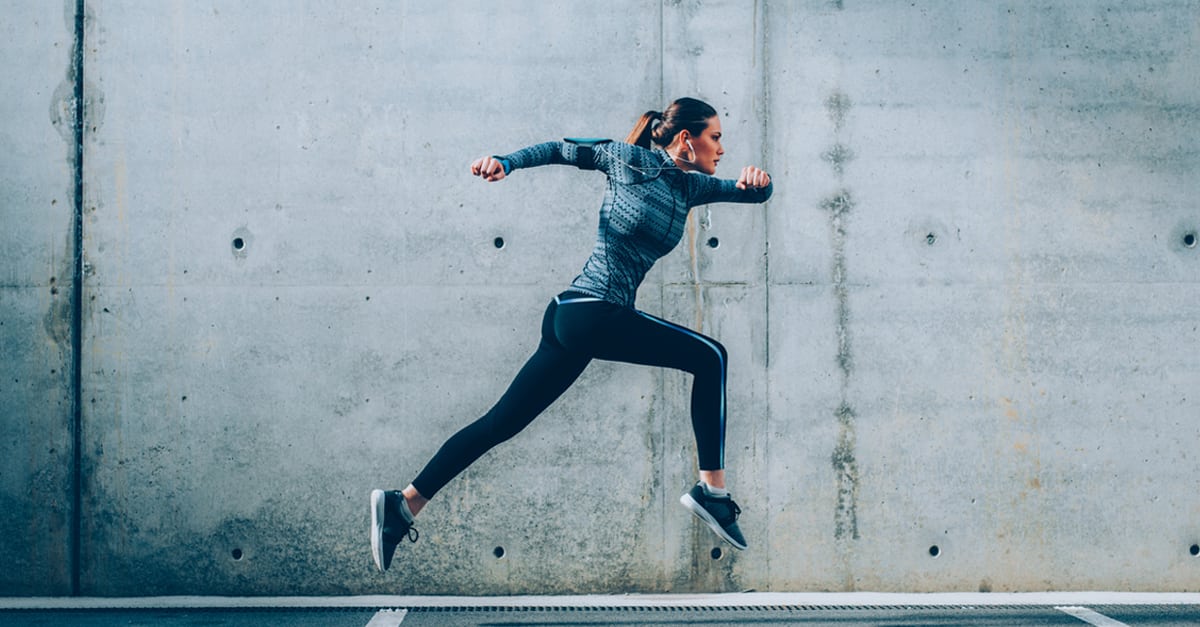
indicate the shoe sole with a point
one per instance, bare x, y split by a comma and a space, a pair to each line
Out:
701, 513
377, 513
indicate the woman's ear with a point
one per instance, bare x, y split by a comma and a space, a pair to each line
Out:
683, 141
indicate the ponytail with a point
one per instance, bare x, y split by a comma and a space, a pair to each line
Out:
662, 127
641, 133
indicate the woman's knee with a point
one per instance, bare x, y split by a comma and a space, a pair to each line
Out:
720, 357
709, 363
722, 352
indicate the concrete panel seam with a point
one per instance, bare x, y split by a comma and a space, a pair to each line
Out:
77, 306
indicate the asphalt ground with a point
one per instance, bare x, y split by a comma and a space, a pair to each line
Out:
767, 609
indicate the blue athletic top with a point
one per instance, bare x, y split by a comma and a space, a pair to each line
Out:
644, 211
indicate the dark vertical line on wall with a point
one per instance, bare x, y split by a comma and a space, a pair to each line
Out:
662, 53
662, 299
760, 31
77, 311
761, 27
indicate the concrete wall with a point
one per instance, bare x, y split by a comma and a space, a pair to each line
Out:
37, 252
966, 320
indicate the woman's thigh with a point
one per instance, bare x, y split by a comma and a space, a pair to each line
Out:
615, 333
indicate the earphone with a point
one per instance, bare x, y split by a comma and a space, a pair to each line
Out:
691, 148
650, 170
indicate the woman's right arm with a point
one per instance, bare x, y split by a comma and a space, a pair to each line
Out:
583, 154
496, 167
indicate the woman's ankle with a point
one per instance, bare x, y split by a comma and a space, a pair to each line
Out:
713, 478
416, 502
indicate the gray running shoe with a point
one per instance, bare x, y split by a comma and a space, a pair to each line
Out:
719, 512
390, 523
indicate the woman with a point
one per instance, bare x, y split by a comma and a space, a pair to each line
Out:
642, 218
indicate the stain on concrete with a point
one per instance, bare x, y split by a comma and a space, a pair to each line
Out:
64, 101
837, 105
839, 205
837, 156
845, 359
37, 512
129, 551
62, 109
57, 321
845, 468
844, 463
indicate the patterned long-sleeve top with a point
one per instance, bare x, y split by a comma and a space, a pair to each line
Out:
644, 212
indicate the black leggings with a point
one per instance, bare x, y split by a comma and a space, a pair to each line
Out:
576, 329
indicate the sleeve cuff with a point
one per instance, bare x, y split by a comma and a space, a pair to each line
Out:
505, 162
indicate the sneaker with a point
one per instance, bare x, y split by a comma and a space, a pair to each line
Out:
719, 512
391, 522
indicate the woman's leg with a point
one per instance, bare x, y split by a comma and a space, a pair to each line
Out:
615, 333
547, 374
624, 334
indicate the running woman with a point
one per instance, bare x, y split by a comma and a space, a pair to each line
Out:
650, 192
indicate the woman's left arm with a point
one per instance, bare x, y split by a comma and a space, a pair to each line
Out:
753, 186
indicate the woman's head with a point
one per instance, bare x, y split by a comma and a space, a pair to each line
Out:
690, 131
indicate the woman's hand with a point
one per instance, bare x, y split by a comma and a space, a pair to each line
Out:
753, 178
489, 168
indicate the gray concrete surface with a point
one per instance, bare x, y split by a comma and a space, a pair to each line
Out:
37, 253
966, 320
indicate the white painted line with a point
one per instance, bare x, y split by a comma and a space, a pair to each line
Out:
1091, 617
387, 618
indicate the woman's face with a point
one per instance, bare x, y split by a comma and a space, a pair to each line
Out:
703, 151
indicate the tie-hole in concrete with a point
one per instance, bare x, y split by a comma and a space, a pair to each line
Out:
498, 552
498, 242
713, 242
237, 555
717, 553
934, 551
1189, 240
239, 244
1194, 550
927, 232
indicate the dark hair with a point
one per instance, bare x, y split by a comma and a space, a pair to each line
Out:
685, 113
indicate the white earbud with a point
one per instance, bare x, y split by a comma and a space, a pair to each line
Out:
689, 145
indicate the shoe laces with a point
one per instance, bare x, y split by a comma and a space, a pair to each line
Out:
735, 511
